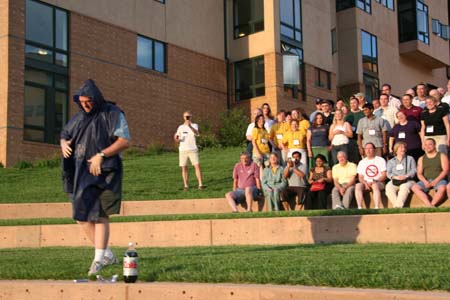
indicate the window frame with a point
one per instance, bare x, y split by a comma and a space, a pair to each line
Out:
50, 130
254, 85
386, 3
318, 82
364, 5
153, 58
286, 47
374, 59
423, 36
295, 30
251, 23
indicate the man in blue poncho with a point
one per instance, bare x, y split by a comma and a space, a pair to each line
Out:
92, 168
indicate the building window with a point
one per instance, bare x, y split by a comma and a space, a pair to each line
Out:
387, 3
291, 20
287, 49
365, 5
369, 52
423, 33
249, 78
151, 54
334, 41
323, 79
439, 29
161, 1
46, 72
248, 17
372, 87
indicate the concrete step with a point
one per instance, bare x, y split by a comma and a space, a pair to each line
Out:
152, 207
383, 228
45, 289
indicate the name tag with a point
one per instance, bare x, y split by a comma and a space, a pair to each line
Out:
184, 133
429, 129
263, 141
401, 135
399, 167
296, 142
279, 136
372, 132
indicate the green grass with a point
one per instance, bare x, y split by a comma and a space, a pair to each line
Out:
149, 177
273, 214
400, 266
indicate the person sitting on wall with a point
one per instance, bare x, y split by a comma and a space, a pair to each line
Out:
295, 173
344, 178
273, 182
432, 171
401, 170
371, 174
246, 183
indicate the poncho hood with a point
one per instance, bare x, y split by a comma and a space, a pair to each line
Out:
90, 89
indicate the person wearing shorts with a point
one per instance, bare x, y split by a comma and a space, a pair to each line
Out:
432, 170
371, 174
185, 136
246, 184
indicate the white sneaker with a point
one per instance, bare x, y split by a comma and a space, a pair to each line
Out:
96, 267
108, 261
339, 206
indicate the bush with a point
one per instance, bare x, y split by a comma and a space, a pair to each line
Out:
23, 164
155, 149
234, 123
207, 137
48, 163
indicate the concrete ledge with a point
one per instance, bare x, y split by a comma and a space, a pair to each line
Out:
140, 208
390, 228
36, 290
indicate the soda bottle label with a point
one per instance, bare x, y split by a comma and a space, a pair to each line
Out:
130, 266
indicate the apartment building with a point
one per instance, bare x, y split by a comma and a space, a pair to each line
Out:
158, 58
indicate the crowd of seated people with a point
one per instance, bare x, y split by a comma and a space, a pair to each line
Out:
387, 148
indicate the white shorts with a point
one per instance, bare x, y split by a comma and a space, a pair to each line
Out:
189, 155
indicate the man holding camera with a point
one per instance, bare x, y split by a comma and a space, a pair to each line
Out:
295, 173
185, 136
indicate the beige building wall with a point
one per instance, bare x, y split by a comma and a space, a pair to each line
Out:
4, 20
415, 61
196, 25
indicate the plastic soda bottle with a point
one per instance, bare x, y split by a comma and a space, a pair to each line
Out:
130, 264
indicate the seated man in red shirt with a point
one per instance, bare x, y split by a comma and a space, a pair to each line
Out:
246, 183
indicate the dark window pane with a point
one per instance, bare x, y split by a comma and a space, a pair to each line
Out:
60, 111
39, 23
249, 78
61, 29
248, 17
259, 70
297, 13
40, 54
144, 52
159, 57
33, 135
61, 82
286, 13
39, 77
60, 59
34, 114
287, 31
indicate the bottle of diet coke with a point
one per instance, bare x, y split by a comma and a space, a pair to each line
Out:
130, 264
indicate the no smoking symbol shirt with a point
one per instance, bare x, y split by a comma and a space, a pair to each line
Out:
372, 171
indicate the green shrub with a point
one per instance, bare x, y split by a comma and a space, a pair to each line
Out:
48, 163
155, 149
133, 152
234, 123
23, 164
207, 137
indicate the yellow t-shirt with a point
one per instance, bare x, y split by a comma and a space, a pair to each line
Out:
277, 132
303, 126
261, 138
295, 139
344, 173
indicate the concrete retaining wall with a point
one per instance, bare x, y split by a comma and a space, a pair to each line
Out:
64, 290
139, 208
392, 228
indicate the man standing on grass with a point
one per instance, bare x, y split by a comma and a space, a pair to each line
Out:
246, 183
185, 135
92, 168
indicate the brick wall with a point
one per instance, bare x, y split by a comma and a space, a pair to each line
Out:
153, 101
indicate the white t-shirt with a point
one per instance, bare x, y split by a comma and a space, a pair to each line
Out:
187, 137
250, 129
371, 169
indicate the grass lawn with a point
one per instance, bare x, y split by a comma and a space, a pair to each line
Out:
400, 266
150, 177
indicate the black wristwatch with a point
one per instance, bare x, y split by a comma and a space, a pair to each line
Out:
102, 154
